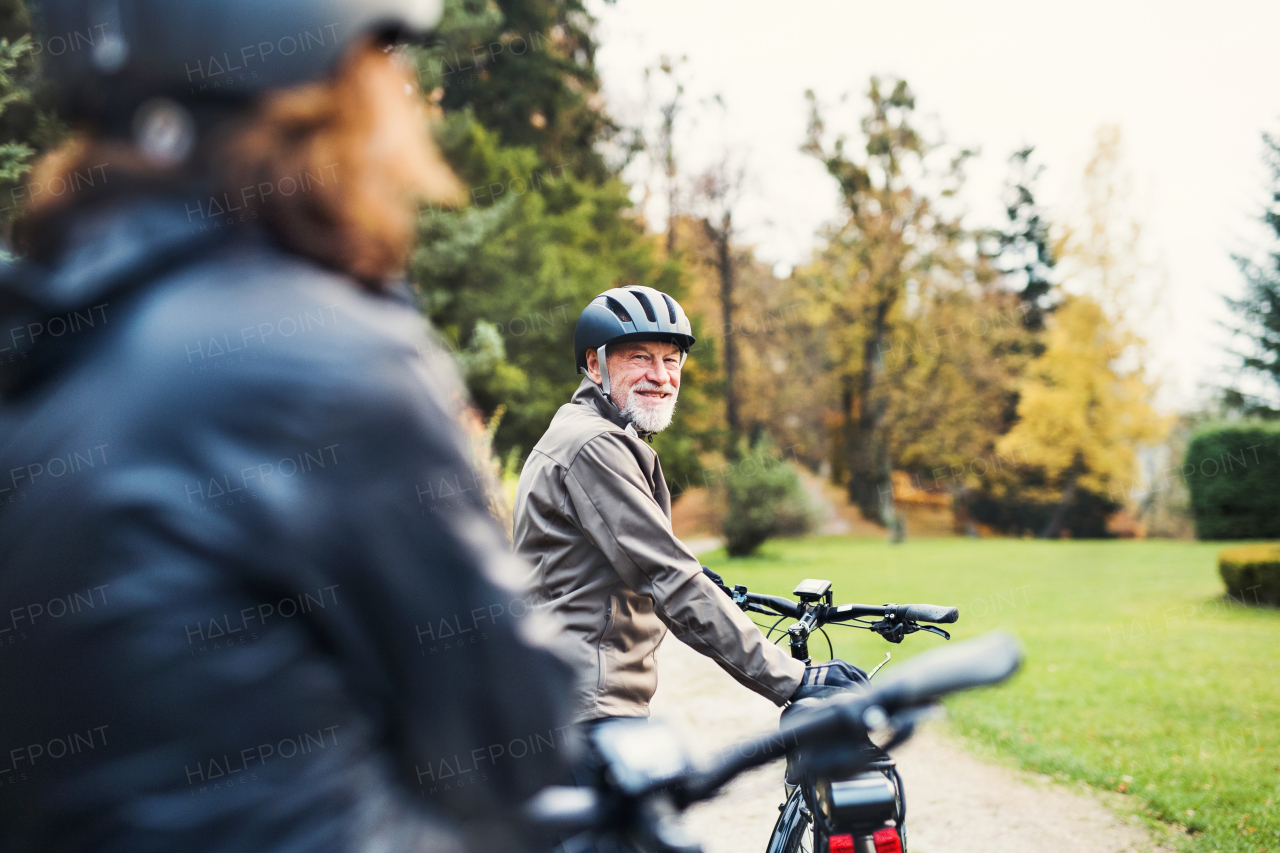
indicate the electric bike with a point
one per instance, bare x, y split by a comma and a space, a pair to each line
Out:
643, 776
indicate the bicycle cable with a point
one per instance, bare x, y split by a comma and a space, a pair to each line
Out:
768, 632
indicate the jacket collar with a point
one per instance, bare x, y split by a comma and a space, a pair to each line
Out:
590, 395
108, 251
114, 243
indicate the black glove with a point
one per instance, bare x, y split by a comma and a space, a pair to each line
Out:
826, 678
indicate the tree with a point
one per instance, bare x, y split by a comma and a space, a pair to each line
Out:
28, 124
1081, 414
1085, 403
894, 241
718, 190
1024, 250
666, 153
15, 156
525, 69
1259, 309
546, 225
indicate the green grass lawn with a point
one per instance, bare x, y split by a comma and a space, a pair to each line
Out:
1141, 676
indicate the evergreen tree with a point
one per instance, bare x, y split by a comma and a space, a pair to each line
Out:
1259, 310
545, 224
1025, 255
1084, 403
28, 123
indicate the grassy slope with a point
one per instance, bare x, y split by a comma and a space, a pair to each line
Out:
1140, 677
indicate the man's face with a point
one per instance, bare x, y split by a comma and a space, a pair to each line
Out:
644, 381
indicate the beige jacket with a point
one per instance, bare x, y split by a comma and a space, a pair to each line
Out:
593, 517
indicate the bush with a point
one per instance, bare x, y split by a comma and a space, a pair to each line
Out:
1252, 573
764, 499
1017, 512
1233, 473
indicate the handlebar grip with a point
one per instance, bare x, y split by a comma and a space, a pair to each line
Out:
989, 659
783, 606
931, 613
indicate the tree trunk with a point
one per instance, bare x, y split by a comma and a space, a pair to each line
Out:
869, 483
1054, 526
724, 260
671, 215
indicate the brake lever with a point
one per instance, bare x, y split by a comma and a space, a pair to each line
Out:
933, 630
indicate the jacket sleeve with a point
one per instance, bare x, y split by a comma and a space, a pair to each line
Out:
618, 513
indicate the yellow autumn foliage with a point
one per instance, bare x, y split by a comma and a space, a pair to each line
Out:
1081, 413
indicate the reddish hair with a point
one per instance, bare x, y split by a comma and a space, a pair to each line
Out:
357, 148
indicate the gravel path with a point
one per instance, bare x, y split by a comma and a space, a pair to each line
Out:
956, 804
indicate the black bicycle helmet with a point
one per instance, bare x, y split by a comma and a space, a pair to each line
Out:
629, 314
105, 55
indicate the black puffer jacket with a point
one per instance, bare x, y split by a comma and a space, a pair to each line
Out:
250, 597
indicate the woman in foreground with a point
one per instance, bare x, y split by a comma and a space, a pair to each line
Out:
243, 610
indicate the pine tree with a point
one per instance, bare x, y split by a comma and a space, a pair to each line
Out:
28, 123
1259, 310
1025, 254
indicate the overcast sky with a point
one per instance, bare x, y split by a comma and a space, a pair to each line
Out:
1191, 86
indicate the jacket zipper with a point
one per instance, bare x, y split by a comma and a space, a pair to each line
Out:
608, 622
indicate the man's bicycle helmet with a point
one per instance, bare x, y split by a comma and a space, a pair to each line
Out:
629, 314
106, 56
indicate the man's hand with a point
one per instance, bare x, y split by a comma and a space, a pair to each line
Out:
718, 581
825, 678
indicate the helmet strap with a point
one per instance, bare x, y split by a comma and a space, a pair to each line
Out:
604, 371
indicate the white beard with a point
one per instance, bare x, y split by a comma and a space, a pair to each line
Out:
647, 416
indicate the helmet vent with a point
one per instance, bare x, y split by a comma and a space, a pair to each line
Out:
645, 304
671, 308
618, 311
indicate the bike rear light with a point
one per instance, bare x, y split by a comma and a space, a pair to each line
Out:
841, 843
887, 841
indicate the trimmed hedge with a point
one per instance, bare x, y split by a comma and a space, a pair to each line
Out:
1252, 573
1233, 474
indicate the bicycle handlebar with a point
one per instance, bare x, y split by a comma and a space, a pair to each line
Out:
845, 612
987, 660
783, 606
920, 681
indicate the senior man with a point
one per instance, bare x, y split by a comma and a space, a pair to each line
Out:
593, 517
